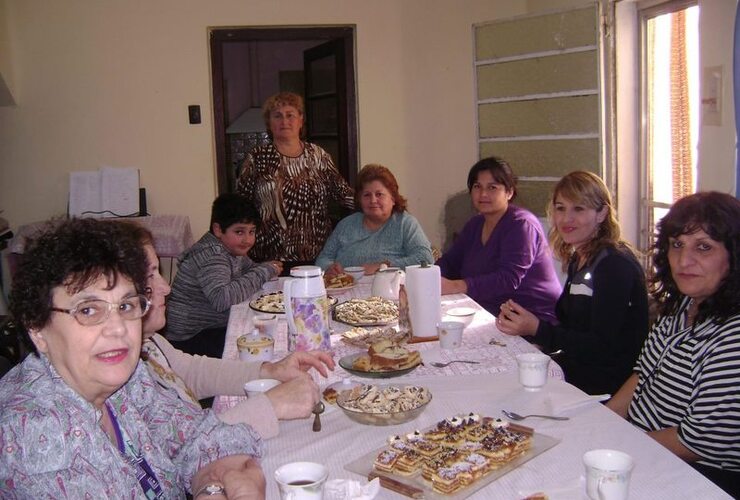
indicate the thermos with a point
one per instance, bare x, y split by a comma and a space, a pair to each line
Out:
306, 309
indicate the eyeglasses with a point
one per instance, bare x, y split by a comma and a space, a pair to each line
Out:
94, 312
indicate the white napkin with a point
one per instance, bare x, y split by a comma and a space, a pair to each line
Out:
346, 489
563, 399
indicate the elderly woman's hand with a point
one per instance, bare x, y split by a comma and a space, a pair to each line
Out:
334, 269
240, 475
297, 364
513, 319
295, 398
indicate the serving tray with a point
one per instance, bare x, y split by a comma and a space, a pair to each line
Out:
364, 467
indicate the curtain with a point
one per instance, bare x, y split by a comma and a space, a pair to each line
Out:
683, 182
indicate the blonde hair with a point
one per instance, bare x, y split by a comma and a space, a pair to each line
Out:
282, 99
585, 188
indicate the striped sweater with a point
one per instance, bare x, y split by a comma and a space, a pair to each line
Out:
689, 377
208, 282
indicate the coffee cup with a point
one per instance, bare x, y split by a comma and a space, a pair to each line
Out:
266, 324
450, 334
357, 272
260, 385
301, 480
607, 474
533, 370
255, 347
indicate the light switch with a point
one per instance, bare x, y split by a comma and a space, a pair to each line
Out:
194, 114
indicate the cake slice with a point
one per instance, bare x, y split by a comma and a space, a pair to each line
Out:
386, 460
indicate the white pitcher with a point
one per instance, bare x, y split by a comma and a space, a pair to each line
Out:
386, 282
306, 309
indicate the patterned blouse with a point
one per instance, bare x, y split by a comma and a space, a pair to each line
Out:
52, 444
292, 195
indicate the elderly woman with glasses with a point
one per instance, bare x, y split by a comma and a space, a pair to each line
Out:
82, 418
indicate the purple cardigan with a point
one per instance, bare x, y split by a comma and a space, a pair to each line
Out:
515, 263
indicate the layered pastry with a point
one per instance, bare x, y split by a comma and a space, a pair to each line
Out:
456, 451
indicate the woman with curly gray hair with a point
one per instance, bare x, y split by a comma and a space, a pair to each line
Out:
684, 391
82, 418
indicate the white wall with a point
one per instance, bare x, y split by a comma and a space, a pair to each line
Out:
108, 83
717, 143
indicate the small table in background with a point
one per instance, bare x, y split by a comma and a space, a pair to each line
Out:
172, 236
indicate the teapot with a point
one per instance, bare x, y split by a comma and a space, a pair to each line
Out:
386, 282
306, 309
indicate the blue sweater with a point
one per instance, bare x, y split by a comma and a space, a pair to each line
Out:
401, 241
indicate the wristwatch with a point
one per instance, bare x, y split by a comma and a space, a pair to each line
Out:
210, 490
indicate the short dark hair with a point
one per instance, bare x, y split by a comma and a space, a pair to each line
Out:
499, 169
718, 215
374, 172
233, 208
73, 253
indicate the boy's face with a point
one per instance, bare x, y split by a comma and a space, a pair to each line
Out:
238, 238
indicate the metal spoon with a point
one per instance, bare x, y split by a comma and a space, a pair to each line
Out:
318, 409
516, 416
442, 365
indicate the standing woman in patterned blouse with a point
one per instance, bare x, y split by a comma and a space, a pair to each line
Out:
291, 182
685, 391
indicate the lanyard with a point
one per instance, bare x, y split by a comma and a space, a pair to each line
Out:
144, 473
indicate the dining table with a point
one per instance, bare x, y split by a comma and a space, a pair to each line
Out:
485, 389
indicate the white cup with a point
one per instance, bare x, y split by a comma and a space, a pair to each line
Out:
266, 324
260, 385
607, 474
255, 347
301, 480
357, 272
533, 370
450, 334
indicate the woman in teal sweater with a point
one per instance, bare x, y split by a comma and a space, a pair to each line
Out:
383, 233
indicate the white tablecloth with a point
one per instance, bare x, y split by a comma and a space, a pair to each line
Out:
476, 347
558, 472
485, 389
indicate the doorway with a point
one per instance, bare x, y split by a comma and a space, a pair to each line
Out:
250, 64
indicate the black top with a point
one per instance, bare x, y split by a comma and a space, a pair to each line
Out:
603, 315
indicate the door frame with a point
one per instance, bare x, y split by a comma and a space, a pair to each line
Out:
219, 36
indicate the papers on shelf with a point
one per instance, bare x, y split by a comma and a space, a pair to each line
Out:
107, 192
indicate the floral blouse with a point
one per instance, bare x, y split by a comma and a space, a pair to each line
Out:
52, 445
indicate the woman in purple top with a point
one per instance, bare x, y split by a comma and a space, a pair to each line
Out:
501, 253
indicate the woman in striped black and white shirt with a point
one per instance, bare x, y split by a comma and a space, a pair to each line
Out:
685, 391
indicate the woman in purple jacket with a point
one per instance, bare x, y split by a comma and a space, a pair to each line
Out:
501, 253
